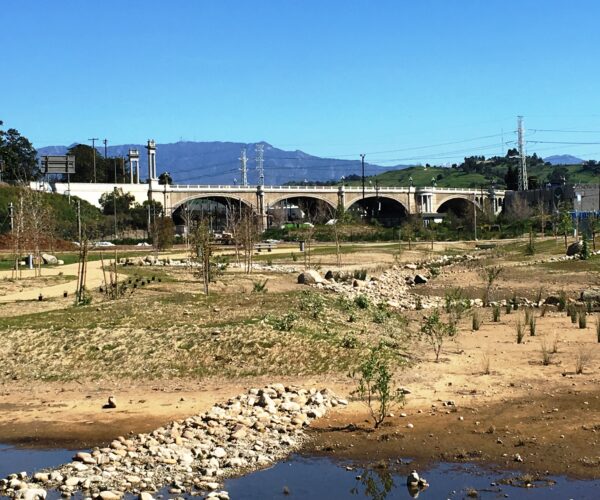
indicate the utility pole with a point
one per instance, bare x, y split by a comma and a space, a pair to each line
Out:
260, 164
105, 141
244, 167
475, 216
362, 162
94, 139
115, 195
523, 184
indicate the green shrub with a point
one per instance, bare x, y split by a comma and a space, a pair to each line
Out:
285, 323
360, 274
361, 301
259, 286
375, 385
312, 302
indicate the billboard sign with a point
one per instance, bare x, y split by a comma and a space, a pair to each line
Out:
58, 164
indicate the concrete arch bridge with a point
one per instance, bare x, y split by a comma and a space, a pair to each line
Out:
388, 203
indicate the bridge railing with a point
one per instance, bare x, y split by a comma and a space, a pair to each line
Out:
351, 189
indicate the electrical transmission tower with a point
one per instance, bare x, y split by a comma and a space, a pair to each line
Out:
260, 167
243, 168
523, 184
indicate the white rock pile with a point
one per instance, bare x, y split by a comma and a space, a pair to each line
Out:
394, 286
247, 432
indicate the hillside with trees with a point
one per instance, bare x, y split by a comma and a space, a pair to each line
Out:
479, 171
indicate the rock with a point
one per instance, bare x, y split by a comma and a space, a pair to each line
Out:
109, 495
329, 275
144, 495
591, 294
412, 267
49, 259
412, 479
219, 452
574, 248
60, 262
32, 494
552, 300
310, 277
420, 279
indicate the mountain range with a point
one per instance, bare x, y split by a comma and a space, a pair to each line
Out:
218, 163
563, 160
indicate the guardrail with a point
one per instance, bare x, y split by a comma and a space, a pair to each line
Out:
331, 189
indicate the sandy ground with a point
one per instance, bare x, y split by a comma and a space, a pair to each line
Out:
547, 414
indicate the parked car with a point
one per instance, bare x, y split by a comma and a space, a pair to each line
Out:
104, 244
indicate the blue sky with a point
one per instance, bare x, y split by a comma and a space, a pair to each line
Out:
332, 78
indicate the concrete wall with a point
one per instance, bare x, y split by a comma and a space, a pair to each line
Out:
92, 192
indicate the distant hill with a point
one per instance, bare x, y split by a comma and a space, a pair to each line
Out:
563, 160
218, 163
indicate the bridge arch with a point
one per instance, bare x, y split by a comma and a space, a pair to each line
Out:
236, 199
459, 205
218, 209
386, 209
295, 196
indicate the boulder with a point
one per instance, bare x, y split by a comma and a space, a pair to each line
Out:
49, 259
591, 294
310, 277
574, 248
420, 279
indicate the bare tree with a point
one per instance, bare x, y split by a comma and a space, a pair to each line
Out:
202, 250
248, 235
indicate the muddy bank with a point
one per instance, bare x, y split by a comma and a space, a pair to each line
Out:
557, 433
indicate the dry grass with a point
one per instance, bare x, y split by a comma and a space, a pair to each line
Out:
583, 357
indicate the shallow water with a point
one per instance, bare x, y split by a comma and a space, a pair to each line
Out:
19, 459
324, 478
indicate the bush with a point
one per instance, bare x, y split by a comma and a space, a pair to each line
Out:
435, 332
496, 314
476, 323
562, 300
312, 302
285, 323
259, 286
375, 385
360, 274
349, 341
361, 301
381, 314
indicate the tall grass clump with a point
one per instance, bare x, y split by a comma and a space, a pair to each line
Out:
476, 323
562, 300
582, 359
582, 316
496, 314
546, 353
520, 331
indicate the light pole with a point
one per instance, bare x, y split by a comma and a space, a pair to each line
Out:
362, 162
94, 139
